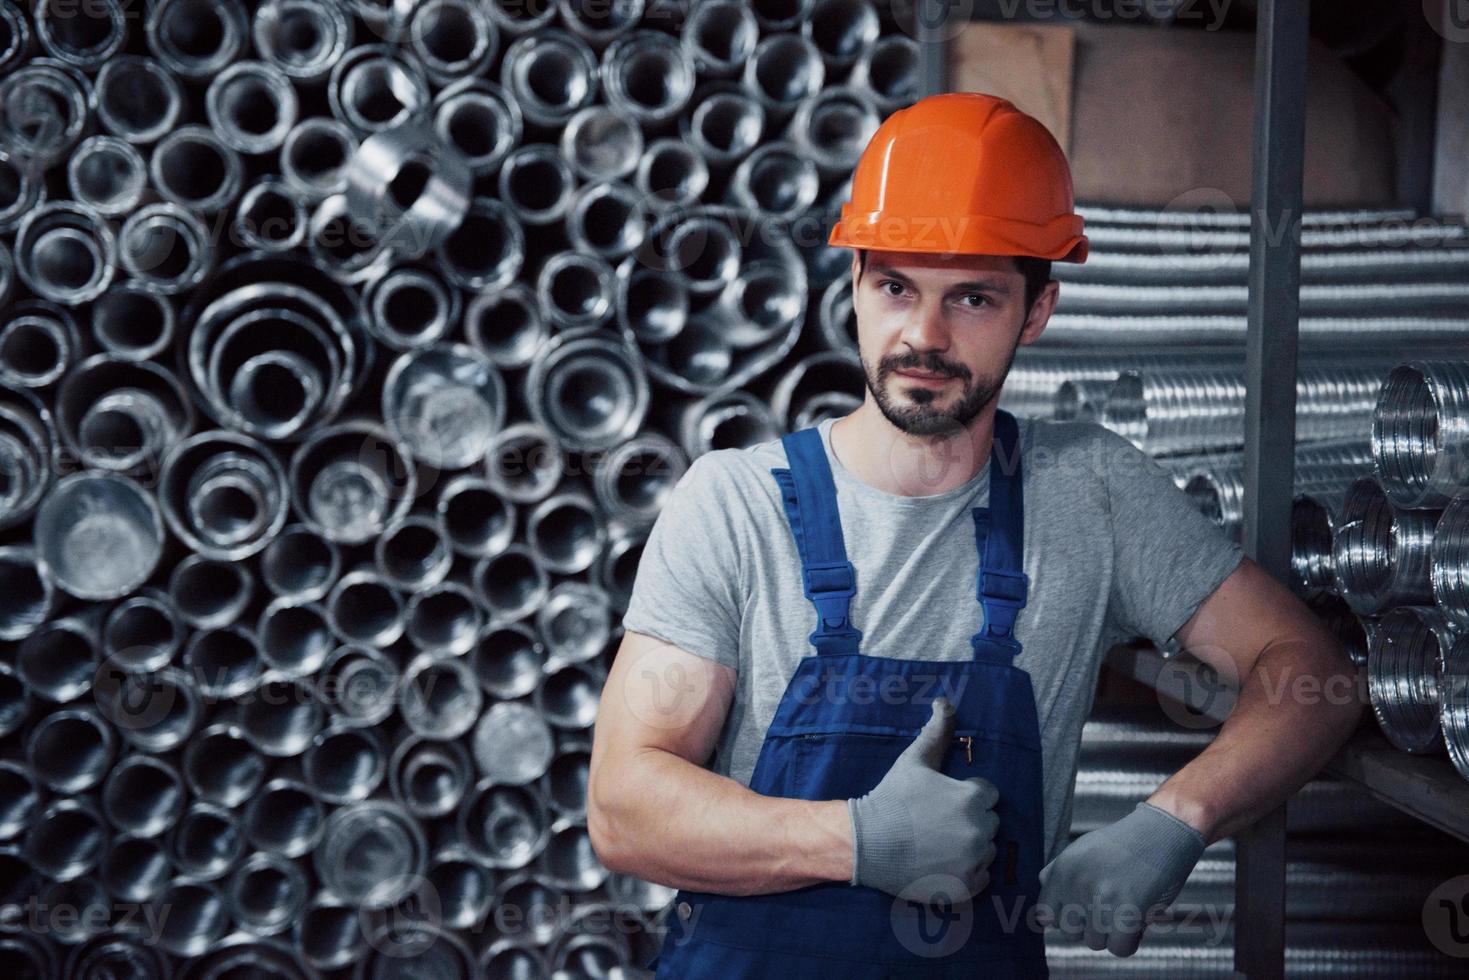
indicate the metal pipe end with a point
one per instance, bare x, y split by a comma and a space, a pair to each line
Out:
475, 519
193, 168
452, 38
411, 308
478, 119
133, 321
285, 818
359, 685
363, 609
633, 482
444, 619
550, 74
440, 696
106, 175
210, 593
222, 767
429, 776
588, 389
413, 553
302, 38
648, 76
251, 106
511, 583
487, 251
196, 38
315, 155
165, 247
271, 217
65, 253
279, 716
137, 99
506, 325
507, 660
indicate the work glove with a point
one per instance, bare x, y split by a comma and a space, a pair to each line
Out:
1106, 882
922, 835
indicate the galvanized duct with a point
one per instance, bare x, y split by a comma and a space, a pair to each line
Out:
1339, 883
1453, 701
1316, 332
1319, 300
1103, 215
1347, 950
1449, 560
1230, 268
1403, 669
1323, 471
718, 255
1187, 411
1038, 372
1120, 238
1355, 632
1419, 436
1381, 554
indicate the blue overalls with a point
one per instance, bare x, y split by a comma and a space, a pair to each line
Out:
842, 721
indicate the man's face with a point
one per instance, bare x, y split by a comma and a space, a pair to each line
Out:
937, 334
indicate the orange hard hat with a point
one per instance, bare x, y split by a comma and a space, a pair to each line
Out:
966, 174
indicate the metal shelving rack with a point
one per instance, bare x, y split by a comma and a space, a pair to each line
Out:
1427, 789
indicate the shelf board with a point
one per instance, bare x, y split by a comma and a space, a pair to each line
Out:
1425, 787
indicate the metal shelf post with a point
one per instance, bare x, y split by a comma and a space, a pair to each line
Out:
1270, 410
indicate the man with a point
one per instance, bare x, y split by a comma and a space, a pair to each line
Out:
889, 794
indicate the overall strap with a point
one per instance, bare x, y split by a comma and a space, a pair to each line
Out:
809, 495
1002, 586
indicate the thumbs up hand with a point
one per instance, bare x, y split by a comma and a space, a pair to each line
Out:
919, 830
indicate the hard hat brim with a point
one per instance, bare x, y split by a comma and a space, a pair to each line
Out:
1060, 240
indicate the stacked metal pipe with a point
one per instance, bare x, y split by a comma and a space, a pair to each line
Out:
1378, 548
347, 352
1381, 552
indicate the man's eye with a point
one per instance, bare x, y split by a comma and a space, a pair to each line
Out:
893, 288
974, 300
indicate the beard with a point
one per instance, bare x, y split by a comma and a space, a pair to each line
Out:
918, 414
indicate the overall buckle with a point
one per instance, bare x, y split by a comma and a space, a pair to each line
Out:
1003, 588
830, 586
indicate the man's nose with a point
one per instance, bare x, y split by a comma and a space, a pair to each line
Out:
927, 329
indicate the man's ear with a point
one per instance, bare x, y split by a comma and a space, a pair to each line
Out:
1039, 314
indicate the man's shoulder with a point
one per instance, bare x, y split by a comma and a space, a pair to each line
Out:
1054, 436
1071, 451
739, 469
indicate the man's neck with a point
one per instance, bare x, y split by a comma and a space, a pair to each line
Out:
884, 457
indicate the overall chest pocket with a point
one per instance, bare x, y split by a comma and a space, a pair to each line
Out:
839, 765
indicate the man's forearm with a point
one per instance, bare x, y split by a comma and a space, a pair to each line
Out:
667, 820
1294, 711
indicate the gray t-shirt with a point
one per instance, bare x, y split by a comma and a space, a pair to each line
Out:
1112, 547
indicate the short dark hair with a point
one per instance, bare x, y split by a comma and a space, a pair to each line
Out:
1037, 273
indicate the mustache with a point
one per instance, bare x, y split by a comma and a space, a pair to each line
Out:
919, 362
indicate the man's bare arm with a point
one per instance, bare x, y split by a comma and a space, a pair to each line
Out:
653, 811
1298, 702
